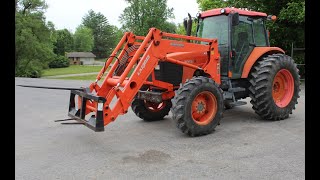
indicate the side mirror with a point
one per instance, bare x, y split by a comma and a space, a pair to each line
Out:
234, 18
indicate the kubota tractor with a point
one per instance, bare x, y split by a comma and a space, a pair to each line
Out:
194, 77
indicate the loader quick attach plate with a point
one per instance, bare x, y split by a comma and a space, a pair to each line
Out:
95, 122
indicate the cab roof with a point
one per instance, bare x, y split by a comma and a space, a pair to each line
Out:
216, 12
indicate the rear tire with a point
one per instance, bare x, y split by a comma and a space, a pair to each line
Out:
198, 106
274, 89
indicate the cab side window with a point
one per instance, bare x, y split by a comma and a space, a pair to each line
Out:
259, 32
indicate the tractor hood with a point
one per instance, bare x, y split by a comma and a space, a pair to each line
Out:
194, 57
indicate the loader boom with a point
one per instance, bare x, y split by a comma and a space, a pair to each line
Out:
141, 55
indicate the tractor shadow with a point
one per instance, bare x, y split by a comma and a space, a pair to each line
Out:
238, 116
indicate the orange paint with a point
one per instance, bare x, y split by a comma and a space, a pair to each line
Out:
168, 95
198, 58
204, 108
187, 74
283, 88
255, 55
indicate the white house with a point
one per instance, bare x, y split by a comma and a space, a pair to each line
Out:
83, 58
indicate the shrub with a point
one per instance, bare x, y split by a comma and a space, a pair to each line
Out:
59, 62
30, 71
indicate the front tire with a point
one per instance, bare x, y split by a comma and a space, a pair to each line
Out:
274, 88
198, 106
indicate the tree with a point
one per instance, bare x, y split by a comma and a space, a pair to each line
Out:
210, 4
64, 42
118, 33
32, 38
83, 39
181, 30
169, 27
52, 30
103, 33
141, 15
31, 6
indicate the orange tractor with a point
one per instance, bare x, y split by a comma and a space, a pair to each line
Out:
194, 77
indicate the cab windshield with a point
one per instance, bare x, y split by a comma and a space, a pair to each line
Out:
214, 27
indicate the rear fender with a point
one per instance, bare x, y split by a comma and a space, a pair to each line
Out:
255, 55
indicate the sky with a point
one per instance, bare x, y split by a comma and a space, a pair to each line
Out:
68, 13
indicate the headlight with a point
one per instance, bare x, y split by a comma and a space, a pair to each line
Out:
157, 67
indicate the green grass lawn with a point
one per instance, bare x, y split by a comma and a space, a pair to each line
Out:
72, 69
102, 60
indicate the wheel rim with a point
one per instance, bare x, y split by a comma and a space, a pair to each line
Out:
154, 107
204, 108
283, 88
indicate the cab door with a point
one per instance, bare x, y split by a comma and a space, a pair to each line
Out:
248, 34
242, 43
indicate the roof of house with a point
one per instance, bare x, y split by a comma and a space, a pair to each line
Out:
81, 54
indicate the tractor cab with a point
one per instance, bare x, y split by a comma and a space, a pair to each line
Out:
238, 32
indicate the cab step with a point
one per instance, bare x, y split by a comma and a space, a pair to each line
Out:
238, 103
236, 89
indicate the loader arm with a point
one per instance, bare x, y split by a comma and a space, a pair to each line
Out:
104, 103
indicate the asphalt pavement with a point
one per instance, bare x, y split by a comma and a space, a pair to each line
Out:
242, 147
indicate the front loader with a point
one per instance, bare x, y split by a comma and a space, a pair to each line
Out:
197, 78
133, 79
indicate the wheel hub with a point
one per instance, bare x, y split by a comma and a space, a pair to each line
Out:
200, 107
204, 108
276, 87
283, 88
